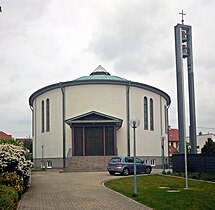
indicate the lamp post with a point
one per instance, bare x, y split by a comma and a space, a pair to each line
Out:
43, 162
162, 152
134, 123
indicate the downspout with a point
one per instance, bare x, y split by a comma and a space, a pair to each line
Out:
63, 125
34, 133
128, 116
161, 117
161, 135
168, 135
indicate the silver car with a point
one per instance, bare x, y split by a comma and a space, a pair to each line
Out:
125, 166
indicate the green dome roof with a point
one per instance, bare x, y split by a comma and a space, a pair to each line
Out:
100, 74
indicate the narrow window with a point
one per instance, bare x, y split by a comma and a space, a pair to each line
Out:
43, 123
153, 162
145, 113
146, 161
49, 164
47, 114
166, 118
151, 115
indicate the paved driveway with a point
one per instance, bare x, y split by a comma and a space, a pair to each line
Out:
54, 190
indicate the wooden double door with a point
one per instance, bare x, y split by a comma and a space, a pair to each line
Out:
94, 141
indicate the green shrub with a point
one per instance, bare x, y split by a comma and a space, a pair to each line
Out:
12, 179
8, 197
198, 175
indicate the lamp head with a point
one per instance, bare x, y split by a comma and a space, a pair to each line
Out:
134, 123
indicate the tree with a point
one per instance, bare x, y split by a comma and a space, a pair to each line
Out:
209, 147
28, 145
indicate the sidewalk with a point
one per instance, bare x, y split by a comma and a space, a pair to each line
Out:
54, 190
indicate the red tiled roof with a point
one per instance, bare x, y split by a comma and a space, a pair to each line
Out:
173, 135
3, 135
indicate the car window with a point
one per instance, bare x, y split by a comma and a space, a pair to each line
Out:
115, 160
129, 160
138, 160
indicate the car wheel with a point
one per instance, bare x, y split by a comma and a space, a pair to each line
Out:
125, 172
148, 170
112, 172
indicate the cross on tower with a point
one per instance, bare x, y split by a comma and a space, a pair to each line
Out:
182, 14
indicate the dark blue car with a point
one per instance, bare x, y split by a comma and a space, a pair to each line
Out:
125, 166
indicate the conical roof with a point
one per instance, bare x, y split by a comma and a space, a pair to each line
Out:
100, 71
101, 74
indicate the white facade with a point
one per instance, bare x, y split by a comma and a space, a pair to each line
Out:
100, 95
201, 140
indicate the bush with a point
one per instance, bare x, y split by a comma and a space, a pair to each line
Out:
8, 197
12, 159
12, 179
15, 172
14, 167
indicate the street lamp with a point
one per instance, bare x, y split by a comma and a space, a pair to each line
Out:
134, 123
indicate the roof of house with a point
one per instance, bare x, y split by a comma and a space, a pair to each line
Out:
173, 135
24, 139
3, 135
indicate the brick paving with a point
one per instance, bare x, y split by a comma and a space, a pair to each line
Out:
77, 190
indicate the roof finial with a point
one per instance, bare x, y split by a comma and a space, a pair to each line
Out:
182, 14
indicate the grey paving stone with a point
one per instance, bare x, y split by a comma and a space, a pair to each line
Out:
77, 190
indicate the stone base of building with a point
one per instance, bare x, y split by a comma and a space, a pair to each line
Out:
92, 163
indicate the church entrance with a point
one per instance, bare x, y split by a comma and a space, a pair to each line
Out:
94, 134
94, 141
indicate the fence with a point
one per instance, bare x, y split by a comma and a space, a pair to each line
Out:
195, 163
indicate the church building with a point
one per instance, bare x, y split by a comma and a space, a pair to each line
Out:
90, 116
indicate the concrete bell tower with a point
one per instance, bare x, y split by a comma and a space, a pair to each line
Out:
184, 52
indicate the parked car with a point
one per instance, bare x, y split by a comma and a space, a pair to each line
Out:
125, 166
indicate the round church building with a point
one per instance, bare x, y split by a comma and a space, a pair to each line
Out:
80, 124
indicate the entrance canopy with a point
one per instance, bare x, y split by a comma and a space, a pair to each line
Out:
94, 134
94, 118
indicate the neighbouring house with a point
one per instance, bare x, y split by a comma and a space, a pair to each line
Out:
201, 140
90, 116
23, 140
3, 135
173, 140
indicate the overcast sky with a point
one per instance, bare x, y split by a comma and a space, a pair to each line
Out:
51, 41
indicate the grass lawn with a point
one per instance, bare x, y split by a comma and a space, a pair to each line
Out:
153, 192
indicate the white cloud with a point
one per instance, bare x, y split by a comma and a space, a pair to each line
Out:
43, 42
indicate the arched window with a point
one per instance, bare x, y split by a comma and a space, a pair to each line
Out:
42, 117
151, 115
145, 113
47, 114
